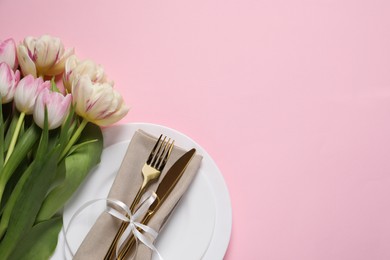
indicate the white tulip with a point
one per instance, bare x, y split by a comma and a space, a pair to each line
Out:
74, 68
98, 103
43, 56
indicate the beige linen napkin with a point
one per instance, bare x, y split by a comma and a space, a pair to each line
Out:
125, 187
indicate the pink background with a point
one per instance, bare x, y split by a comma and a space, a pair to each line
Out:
290, 98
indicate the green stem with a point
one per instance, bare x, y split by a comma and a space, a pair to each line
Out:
74, 138
15, 136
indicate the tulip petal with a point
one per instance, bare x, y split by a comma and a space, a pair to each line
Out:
97, 103
82, 91
47, 51
102, 101
75, 69
70, 64
59, 67
5, 82
8, 53
27, 91
120, 113
57, 108
26, 63
8, 81
29, 43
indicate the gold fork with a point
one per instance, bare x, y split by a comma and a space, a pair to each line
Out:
151, 171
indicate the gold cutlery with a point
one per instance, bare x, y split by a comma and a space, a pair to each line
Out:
166, 186
151, 171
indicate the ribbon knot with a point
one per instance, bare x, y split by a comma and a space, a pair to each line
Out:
134, 224
134, 227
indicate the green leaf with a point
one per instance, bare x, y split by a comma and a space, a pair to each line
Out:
40, 242
2, 129
43, 143
77, 146
9, 206
54, 85
23, 146
30, 200
77, 166
28, 203
13, 180
67, 129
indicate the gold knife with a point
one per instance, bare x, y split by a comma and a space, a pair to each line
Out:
165, 187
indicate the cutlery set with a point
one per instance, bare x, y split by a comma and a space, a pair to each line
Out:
151, 172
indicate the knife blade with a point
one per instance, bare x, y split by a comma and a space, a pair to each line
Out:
165, 188
171, 178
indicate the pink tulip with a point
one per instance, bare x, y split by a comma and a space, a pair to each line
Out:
27, 91
8, 53
8, 81
43, 56
98, 103
57, 108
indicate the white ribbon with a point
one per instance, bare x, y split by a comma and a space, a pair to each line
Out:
132, 228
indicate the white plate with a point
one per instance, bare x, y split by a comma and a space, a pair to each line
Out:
201, 224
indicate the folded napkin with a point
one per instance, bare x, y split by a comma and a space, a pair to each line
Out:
125, 187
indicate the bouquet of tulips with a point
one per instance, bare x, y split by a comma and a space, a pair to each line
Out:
53, 106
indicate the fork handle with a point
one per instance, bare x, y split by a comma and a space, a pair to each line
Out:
110, 253
130, 243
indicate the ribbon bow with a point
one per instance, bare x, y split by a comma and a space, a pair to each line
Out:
133, 220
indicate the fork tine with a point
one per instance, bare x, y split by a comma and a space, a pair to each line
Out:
165, 159
158, 153
152, 153
161, 155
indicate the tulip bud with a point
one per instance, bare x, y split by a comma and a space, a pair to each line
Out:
57, 108
27, 91
8, 81
98, 103
8, 53
75, 68
43, 56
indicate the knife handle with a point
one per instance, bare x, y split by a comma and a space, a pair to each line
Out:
111, 251
130, 243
